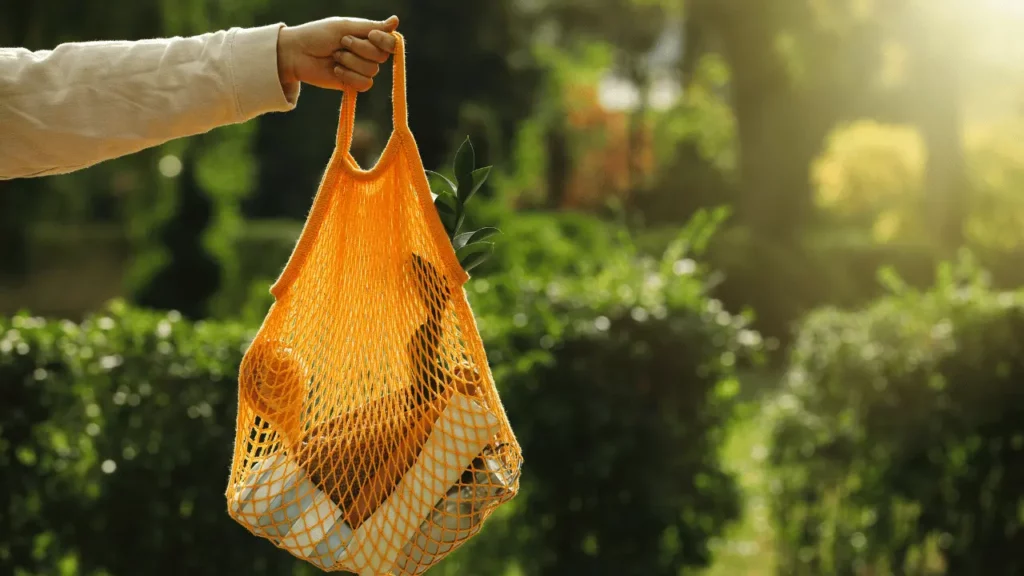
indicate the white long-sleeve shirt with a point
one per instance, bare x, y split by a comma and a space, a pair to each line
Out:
83, 103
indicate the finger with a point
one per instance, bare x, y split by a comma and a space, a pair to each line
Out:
356, 64
383, 40
352, 79
361, 28
364, 49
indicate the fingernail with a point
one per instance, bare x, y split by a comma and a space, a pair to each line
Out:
346, 41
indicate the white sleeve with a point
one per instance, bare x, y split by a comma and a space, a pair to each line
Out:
83, 103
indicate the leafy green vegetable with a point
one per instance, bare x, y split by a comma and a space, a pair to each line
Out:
473, 255
450, 198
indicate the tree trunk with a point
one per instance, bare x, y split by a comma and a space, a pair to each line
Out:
558, 163
939, 120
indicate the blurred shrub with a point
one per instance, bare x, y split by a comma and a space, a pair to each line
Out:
869, 183
995, 163
176, 271
830, 268
899, 435
617, 372
115, 434
695, 145
872, 173
701, 118
263, 250
618, 375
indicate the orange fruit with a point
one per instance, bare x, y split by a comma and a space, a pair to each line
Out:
273, 381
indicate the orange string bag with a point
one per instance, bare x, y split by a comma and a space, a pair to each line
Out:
370, 434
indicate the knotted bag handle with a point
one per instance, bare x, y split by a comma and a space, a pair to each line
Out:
399, 110
342, 162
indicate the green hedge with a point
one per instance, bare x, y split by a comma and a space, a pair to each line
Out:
899, 435
619, 375
617, 371
829, 267
117, 436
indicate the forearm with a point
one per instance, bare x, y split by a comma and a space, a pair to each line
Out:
83, 103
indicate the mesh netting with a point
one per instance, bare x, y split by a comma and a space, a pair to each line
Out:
370, 438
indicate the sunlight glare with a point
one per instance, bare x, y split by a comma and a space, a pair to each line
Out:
1003, 7
995, 25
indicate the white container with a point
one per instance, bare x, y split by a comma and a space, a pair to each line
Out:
279, 502
455, 518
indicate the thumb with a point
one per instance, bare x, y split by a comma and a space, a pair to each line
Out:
362, 28
390, 24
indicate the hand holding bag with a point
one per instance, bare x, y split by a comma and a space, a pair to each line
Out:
370, 435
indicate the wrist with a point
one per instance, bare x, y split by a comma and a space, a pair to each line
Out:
285, 58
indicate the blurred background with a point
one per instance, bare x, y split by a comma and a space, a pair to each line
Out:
756, 308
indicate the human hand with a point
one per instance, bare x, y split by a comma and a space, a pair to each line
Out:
335, 52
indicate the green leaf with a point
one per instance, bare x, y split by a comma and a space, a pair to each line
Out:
472, 255
461, 240
478, 177
445, 203
474, 236
439, 183
474, 247
475, 260
460, 217
448, 219
465, 160
484, 233
446, 209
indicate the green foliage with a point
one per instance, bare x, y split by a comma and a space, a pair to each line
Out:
995, 168
115, 442
226, 172
899, 443
150, 208
873, 174
188, 275
702, 118
618, 375
450, 199
194, 268
619, 384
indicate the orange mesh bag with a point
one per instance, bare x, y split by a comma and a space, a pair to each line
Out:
370, 438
